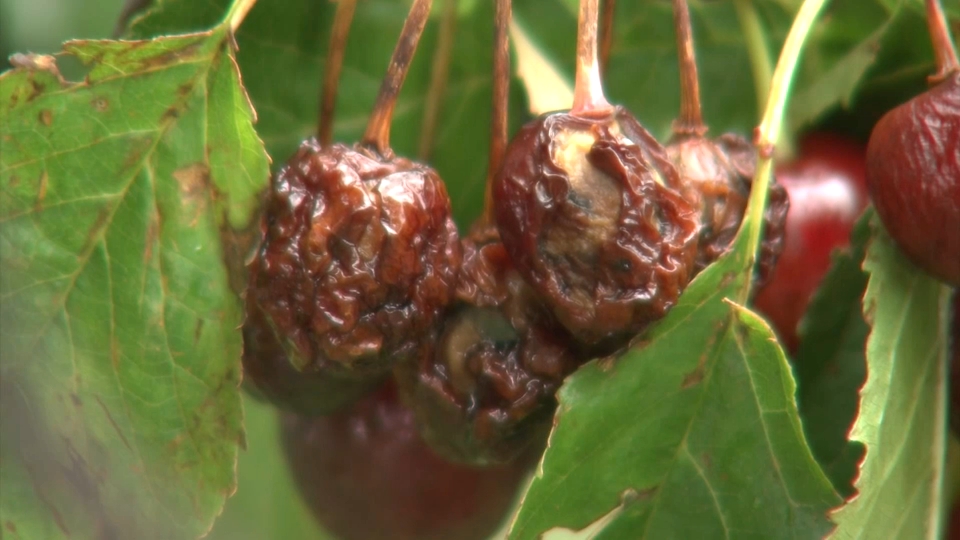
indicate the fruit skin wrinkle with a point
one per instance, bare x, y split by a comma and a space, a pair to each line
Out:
591, 212
913, 173
359, 256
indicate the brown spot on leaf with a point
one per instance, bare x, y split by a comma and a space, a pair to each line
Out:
198, 331
76, 400
113, 422
706, 460
14, 181
42, 189
100, 104
153, 231
170, 114
184, 89
94, 235
193, 179
46, 117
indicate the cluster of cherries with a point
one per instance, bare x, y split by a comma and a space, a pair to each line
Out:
417, 368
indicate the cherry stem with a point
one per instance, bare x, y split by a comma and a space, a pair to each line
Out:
588, 98
607, 8
439, 73
690, 121
377, 134
942, 42
501, 100
342, 20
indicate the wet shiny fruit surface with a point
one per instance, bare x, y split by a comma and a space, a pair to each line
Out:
367, 475
826, 187
591, 214
484, 394
359, 257
718, 174
913, 173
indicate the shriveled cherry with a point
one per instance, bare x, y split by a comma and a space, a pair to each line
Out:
590, 211
826, 186
717, 173
913, 166
366, 474
359, 255
484, 395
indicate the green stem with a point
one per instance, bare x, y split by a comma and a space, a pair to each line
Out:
238, 11
772, 122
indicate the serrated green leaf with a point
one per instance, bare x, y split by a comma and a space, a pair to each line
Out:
282, 46
830, 364
706, 444
267, 504
902, 420
119, 330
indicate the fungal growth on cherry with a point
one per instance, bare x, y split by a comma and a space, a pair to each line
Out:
365, 474
592, 212
913, 164
484, 395
718, 173
359, 253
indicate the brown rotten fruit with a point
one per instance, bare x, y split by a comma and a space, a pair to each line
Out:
590, 211
359, 255
913, 166
367, 475
718, 173
484, 394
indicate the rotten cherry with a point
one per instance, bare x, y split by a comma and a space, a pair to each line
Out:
359, 253
913, 165
591, 212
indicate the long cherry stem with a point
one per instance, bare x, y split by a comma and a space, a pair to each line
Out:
377, 134
501, 101
439, 74
943, 46
690, 121
607, 8
342, 20
588, 98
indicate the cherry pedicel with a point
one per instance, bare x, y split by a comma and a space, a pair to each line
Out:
913, 165
366, 474
589, 209
827, 189
484, 395
360, 254
718, 173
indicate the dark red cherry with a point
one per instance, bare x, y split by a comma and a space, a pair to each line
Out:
826, 188
913, 173
366, 474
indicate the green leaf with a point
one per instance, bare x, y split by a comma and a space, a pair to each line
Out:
267, 504
830, 365
701, 423
119, 330
282, 46
902, 419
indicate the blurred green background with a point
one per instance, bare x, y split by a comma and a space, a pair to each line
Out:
40, 26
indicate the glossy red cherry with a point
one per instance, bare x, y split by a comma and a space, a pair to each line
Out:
913, 164
827, 190
367, 475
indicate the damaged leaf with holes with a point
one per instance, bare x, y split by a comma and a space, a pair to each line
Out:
118, 329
